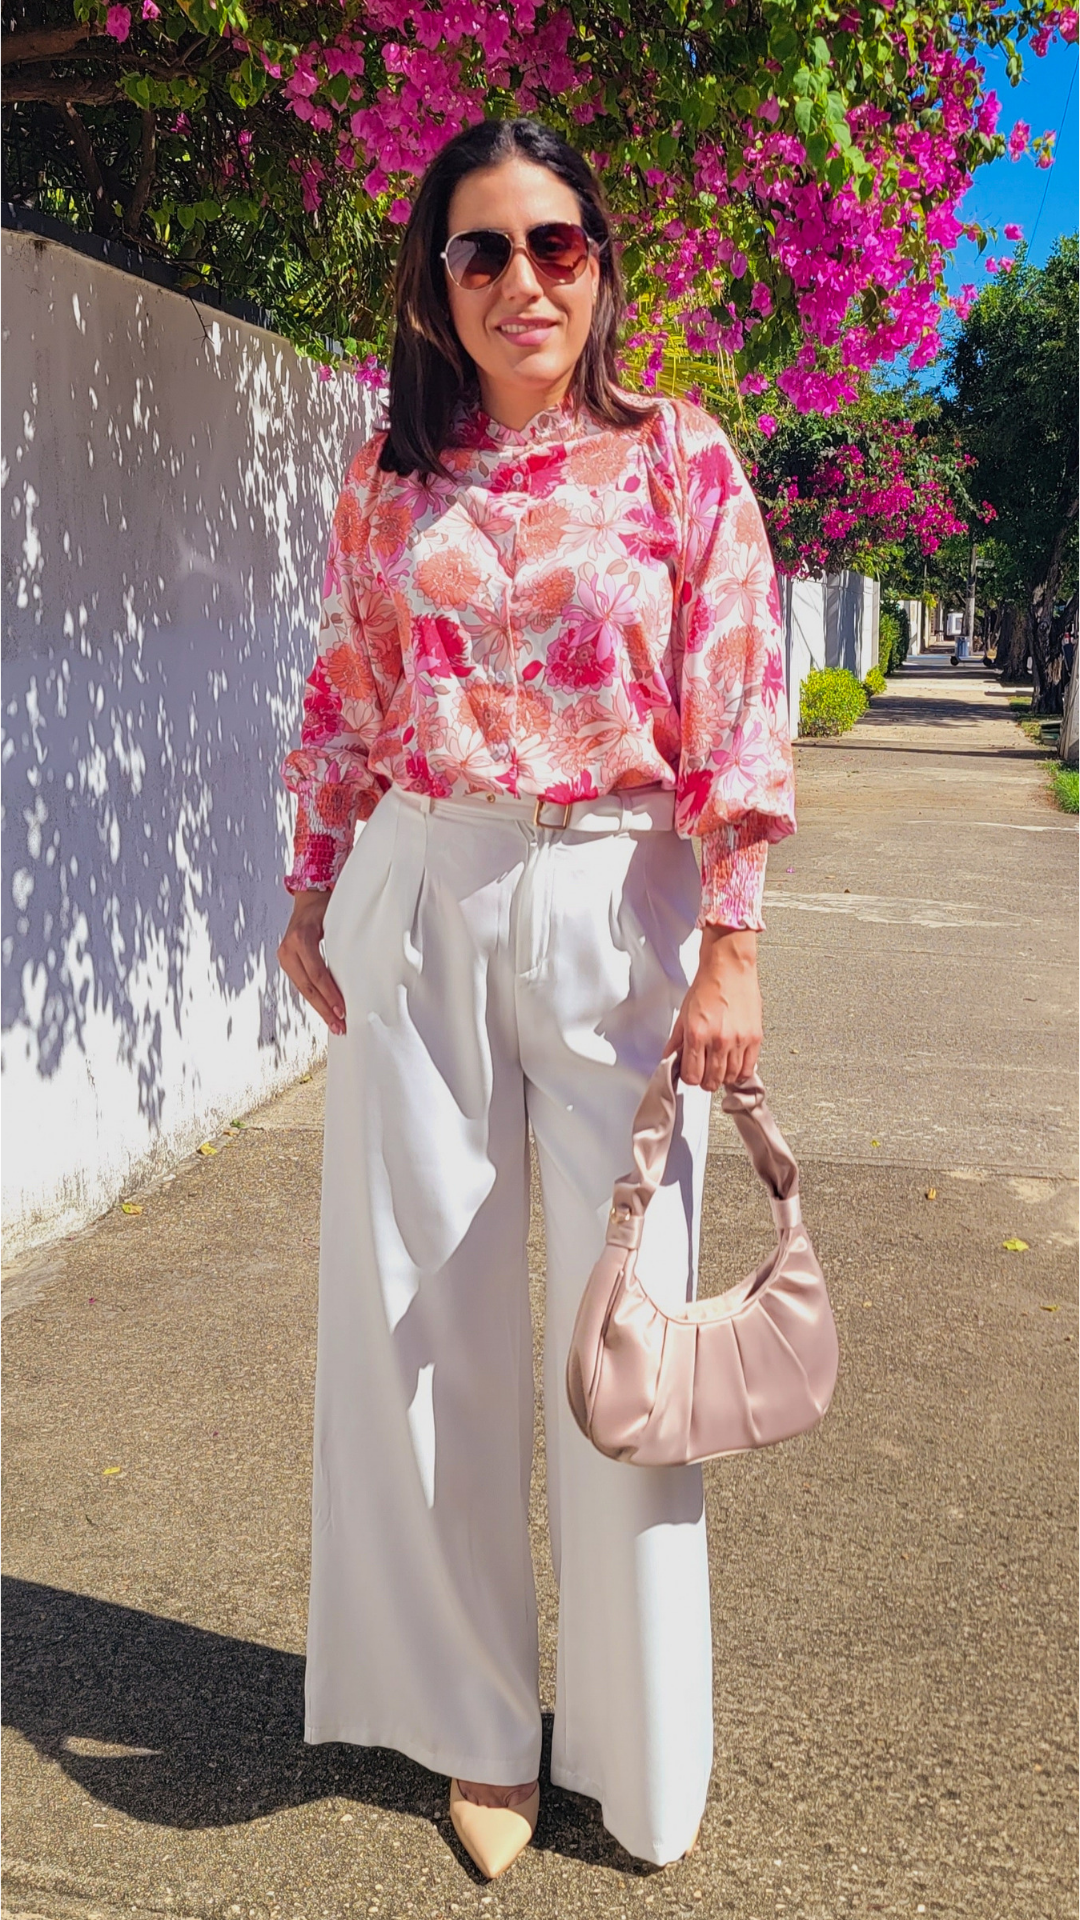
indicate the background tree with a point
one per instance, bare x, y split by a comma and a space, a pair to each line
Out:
1011, 386
786, 177
882, 486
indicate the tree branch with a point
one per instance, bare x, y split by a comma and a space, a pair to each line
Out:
105, 220
145, 179
56, 93
44, 43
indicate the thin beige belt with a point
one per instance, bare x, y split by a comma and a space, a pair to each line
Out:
631, 810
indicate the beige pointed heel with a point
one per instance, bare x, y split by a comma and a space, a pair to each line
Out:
493, 1836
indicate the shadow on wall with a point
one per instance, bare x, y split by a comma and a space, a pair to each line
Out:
168, 481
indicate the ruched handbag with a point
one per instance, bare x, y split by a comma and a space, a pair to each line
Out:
740, 1369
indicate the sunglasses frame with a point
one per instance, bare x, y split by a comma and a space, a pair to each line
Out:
591, 248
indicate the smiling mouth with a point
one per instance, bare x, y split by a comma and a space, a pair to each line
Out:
513, 329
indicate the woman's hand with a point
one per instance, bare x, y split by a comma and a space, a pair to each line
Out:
718, 1031
300, 956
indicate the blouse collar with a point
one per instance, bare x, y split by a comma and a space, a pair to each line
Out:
551, 423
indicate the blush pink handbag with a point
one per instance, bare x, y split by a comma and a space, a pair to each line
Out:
743, 1369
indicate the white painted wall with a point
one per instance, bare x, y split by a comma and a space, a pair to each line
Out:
829, 621
916, 613
168, 477
802, 603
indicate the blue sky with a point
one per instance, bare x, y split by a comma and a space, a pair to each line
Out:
1010, 190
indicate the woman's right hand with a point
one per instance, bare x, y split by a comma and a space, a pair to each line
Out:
300, 956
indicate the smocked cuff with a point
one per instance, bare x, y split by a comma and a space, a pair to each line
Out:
320, 849
732, 881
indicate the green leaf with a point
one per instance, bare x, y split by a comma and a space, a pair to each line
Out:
248, 83
702, 107
137, 88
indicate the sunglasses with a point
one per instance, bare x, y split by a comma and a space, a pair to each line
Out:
557, 249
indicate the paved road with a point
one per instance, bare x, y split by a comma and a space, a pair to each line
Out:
894, 1595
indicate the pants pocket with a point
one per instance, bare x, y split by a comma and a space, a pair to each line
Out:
362, 880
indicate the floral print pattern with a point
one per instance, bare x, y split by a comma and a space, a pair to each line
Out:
578, 608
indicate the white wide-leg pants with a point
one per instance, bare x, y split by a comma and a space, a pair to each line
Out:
498, 976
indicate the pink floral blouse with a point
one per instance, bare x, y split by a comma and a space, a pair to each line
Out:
580, 608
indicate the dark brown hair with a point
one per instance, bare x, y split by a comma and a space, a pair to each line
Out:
430, 372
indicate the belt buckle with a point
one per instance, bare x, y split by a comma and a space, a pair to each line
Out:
566, 805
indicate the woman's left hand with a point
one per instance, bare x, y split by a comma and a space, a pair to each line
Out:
718, 1031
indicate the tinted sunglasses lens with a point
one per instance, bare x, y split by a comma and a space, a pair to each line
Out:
558, 249
476, 259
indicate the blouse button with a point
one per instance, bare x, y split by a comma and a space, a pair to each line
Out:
518, 479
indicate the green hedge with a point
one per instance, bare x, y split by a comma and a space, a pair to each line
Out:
888, 640
875, 682
831, 701
894, 638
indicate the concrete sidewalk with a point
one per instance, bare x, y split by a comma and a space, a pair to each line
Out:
893, 1595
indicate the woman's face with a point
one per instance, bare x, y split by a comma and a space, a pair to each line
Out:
525, 334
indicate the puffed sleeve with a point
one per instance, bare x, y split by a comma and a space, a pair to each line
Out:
347, 692
735, 785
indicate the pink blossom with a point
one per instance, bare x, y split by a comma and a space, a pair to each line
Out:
118, 22
1013, 232
767, 425
325, 373
399, 211
370, 374
1018, 140
150, 11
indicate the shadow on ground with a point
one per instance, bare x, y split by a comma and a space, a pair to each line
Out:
176, 1727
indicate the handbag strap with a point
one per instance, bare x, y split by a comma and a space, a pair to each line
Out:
654, 1125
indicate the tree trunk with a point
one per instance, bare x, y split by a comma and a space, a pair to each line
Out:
1048, 690
143, 185
1013, 644
104, 218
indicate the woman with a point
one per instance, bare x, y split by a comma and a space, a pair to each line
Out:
549, 655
